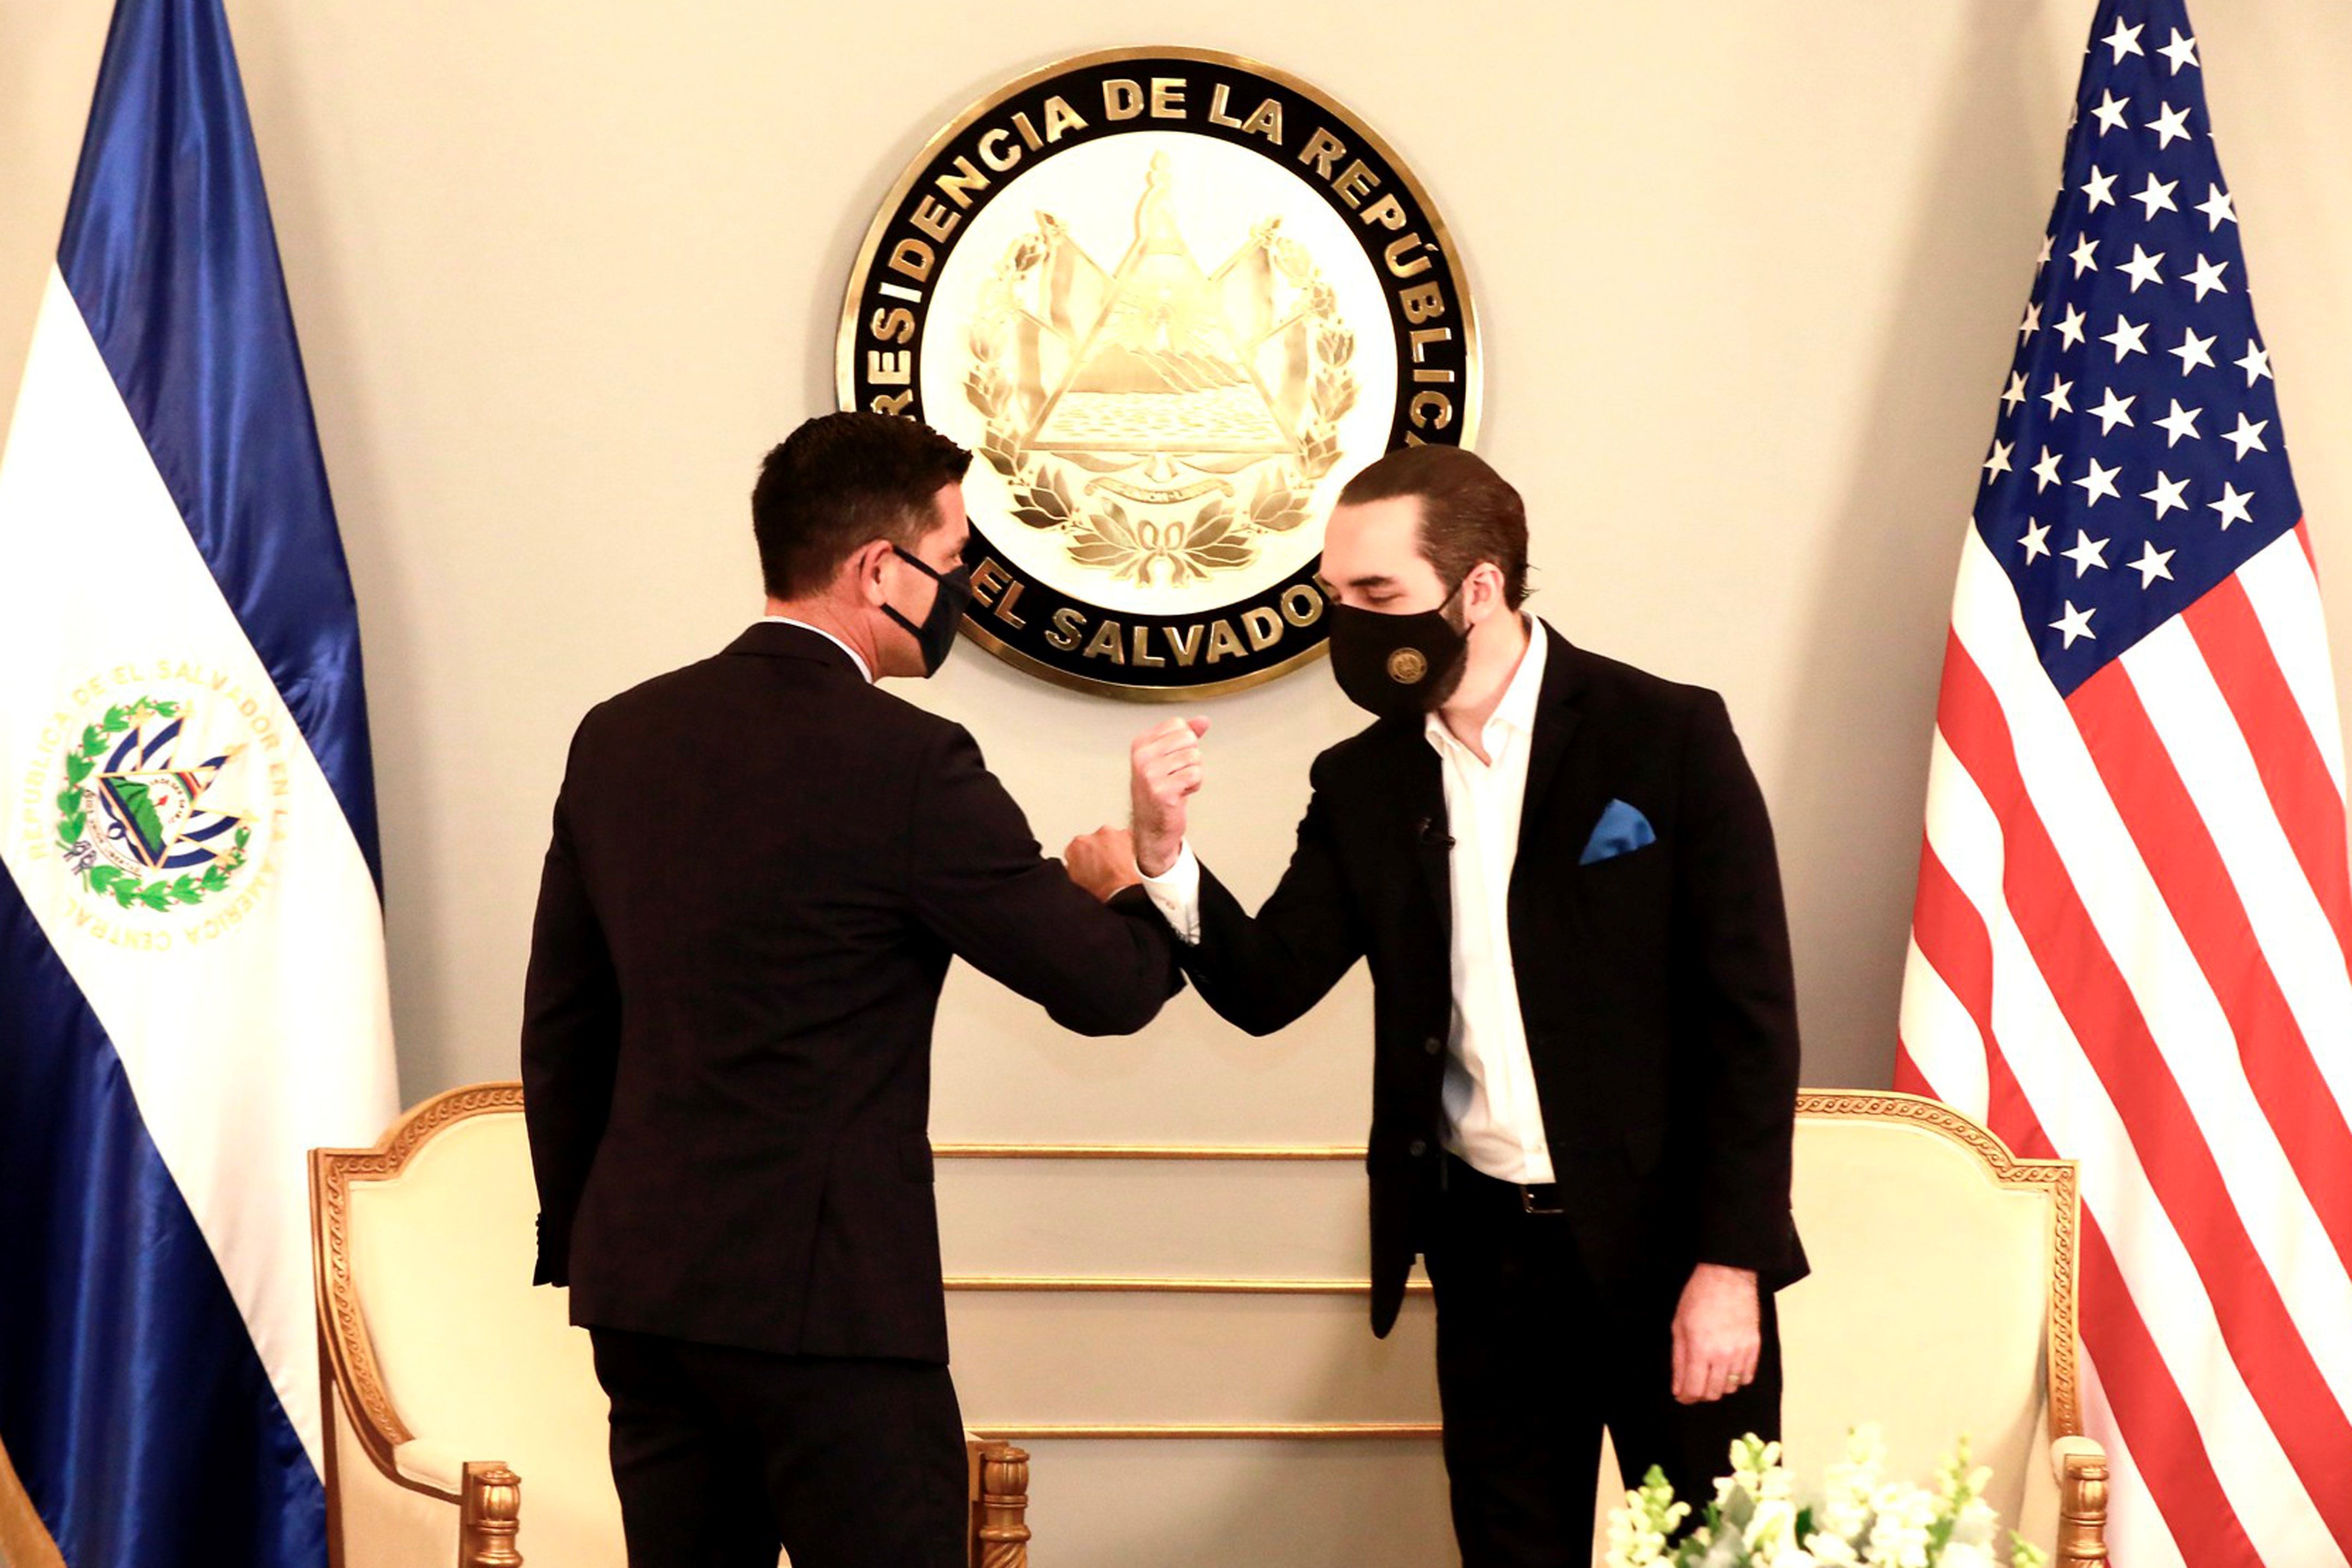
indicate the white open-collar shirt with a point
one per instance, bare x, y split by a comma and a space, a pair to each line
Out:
1492, 1119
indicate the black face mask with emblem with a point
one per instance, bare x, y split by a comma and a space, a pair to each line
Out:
1396, 666
936, 636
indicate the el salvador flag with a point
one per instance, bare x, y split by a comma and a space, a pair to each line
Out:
192, 982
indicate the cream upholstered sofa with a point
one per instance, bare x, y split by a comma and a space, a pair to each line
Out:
1941, 1302
464, 1420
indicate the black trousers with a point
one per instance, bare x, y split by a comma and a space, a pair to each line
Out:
723, 1456
1533, 1363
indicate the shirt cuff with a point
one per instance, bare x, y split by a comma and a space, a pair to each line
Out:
1176, 894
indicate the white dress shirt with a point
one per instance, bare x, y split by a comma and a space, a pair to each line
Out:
1493, 1121
853, 658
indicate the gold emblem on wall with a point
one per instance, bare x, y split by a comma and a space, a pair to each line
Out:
1172, 298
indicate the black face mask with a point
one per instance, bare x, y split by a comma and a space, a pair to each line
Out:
936, 636
1397, 666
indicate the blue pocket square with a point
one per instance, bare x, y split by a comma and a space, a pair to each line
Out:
1622, 830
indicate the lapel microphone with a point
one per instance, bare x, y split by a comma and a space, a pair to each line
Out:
1432, 835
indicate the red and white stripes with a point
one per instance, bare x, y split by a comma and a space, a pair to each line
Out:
2129, 949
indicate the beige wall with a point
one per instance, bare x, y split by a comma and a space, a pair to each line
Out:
1747, 274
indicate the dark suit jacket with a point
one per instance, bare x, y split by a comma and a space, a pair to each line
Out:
760, 866
1655, 985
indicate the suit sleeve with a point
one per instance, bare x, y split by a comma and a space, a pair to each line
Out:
571, 1046
979, 881
1262, 972
1736, 940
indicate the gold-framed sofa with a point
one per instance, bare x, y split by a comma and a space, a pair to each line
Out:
1941, 1302
464, 1420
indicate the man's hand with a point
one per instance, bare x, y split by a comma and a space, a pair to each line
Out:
1166, 772
1718, 1333
1102, 862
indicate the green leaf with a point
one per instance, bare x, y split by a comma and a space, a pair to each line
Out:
103, 878
215, 880
77, 768
168, 709
125, 892
117, 721
186, 890
68, 799
70, 827
92, 741
156, 897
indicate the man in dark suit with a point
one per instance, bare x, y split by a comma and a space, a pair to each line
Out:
1585, 1042
761, 866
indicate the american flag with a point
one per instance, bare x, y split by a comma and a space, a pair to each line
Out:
2133, 909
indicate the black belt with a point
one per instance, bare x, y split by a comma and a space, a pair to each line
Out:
1468, 1183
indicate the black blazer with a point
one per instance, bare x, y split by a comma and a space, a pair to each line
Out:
760, 866
1655, 985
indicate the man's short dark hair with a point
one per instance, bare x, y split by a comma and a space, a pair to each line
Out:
838, 481
1469, 513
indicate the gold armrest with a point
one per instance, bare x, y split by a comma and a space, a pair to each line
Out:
2080, 1466
999, 1504
490, 1510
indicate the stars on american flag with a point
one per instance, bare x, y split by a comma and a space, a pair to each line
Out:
2193, 351
2143, 267
2098, 483
2087, 553
2170, 126
2166, 495
2112, 410
2182, 52
2139, 384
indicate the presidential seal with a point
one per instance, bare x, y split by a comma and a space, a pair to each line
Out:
1172, 299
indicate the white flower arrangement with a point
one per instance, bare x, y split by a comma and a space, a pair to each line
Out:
1862, 1521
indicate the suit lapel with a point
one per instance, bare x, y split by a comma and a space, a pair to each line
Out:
1557, 711
1425, 822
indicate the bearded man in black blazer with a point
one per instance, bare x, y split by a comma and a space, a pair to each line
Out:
1585, 1042
761, 866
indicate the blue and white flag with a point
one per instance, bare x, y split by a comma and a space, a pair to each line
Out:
192, 980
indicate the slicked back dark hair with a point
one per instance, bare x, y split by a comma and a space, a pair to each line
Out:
1469, 513
838, 481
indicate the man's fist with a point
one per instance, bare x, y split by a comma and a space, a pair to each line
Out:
1166, 772
1102, 862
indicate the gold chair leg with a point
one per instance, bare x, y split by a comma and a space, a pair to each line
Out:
2083, 1511
489, 1511
1004, 1507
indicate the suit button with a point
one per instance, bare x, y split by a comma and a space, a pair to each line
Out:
1417, 1148
1433, 1046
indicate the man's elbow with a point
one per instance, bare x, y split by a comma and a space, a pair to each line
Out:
1104, 1017
1252, 1016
